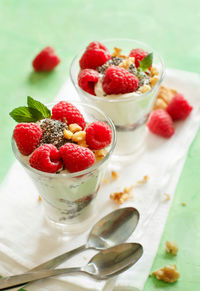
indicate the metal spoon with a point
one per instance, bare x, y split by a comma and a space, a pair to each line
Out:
105, 264
112, 229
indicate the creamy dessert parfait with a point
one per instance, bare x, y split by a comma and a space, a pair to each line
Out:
122, 78
65, 151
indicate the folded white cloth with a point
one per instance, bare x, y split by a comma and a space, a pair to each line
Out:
26, 239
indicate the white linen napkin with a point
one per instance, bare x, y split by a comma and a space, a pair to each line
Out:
26, 239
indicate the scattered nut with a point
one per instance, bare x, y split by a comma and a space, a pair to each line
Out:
67, 134
167, 197
127, 62
153, 80
165, 94
154, 71
79, 136
160, 104
117, 53
171, 247
114, 175
39, 198
121, 197
128, 189
183, 203
143, 181
105, 181
145, 88
167, 274
74, 127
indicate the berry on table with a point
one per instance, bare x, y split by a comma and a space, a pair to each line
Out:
46, 60
67, 112
160, 123
118, 80
179, 108
87, 79
46, 158
27, 137
98, 135
76, 158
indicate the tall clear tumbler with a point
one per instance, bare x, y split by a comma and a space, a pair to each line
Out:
129, 113
69, 198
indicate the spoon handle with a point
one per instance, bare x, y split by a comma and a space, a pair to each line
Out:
10, 282
58, 260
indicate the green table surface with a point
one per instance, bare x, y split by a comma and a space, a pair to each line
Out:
171, 27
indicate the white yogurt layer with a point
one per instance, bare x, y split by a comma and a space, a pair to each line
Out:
129, 113
67, 200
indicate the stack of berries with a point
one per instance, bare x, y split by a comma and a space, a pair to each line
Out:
120, 74
60, 139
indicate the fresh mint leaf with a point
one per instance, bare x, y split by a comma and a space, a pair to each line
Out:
26, 114
22, 289
146, 62
32, 103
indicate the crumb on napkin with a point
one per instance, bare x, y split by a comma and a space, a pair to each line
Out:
167, 196
121, 197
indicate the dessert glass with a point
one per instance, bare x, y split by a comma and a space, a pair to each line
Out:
69, 198
129, 112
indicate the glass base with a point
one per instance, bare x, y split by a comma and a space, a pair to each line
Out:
130, 145
71, 228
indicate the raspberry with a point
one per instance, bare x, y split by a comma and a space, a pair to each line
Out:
65, 110
98, 135
46, 158
46, 60
87, 79
161, 123
76, 158
179, 108
96, 45
138, 54
27, 136
119, 81
94, 56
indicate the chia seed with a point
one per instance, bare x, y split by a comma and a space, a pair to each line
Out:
53, 132
132, 69
114, 61
143, 79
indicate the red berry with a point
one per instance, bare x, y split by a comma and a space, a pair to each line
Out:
96, 44
117, 80
46, 60
65, 111
76, 158
94, 56
139, 55
27, 137
179, 108
87, 79
161, 123
98, 135
46, 158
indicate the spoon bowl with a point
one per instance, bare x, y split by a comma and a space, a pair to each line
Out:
113, 261
114, 228
105, 264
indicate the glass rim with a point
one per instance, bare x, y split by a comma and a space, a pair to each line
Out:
79, 173
133, 94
